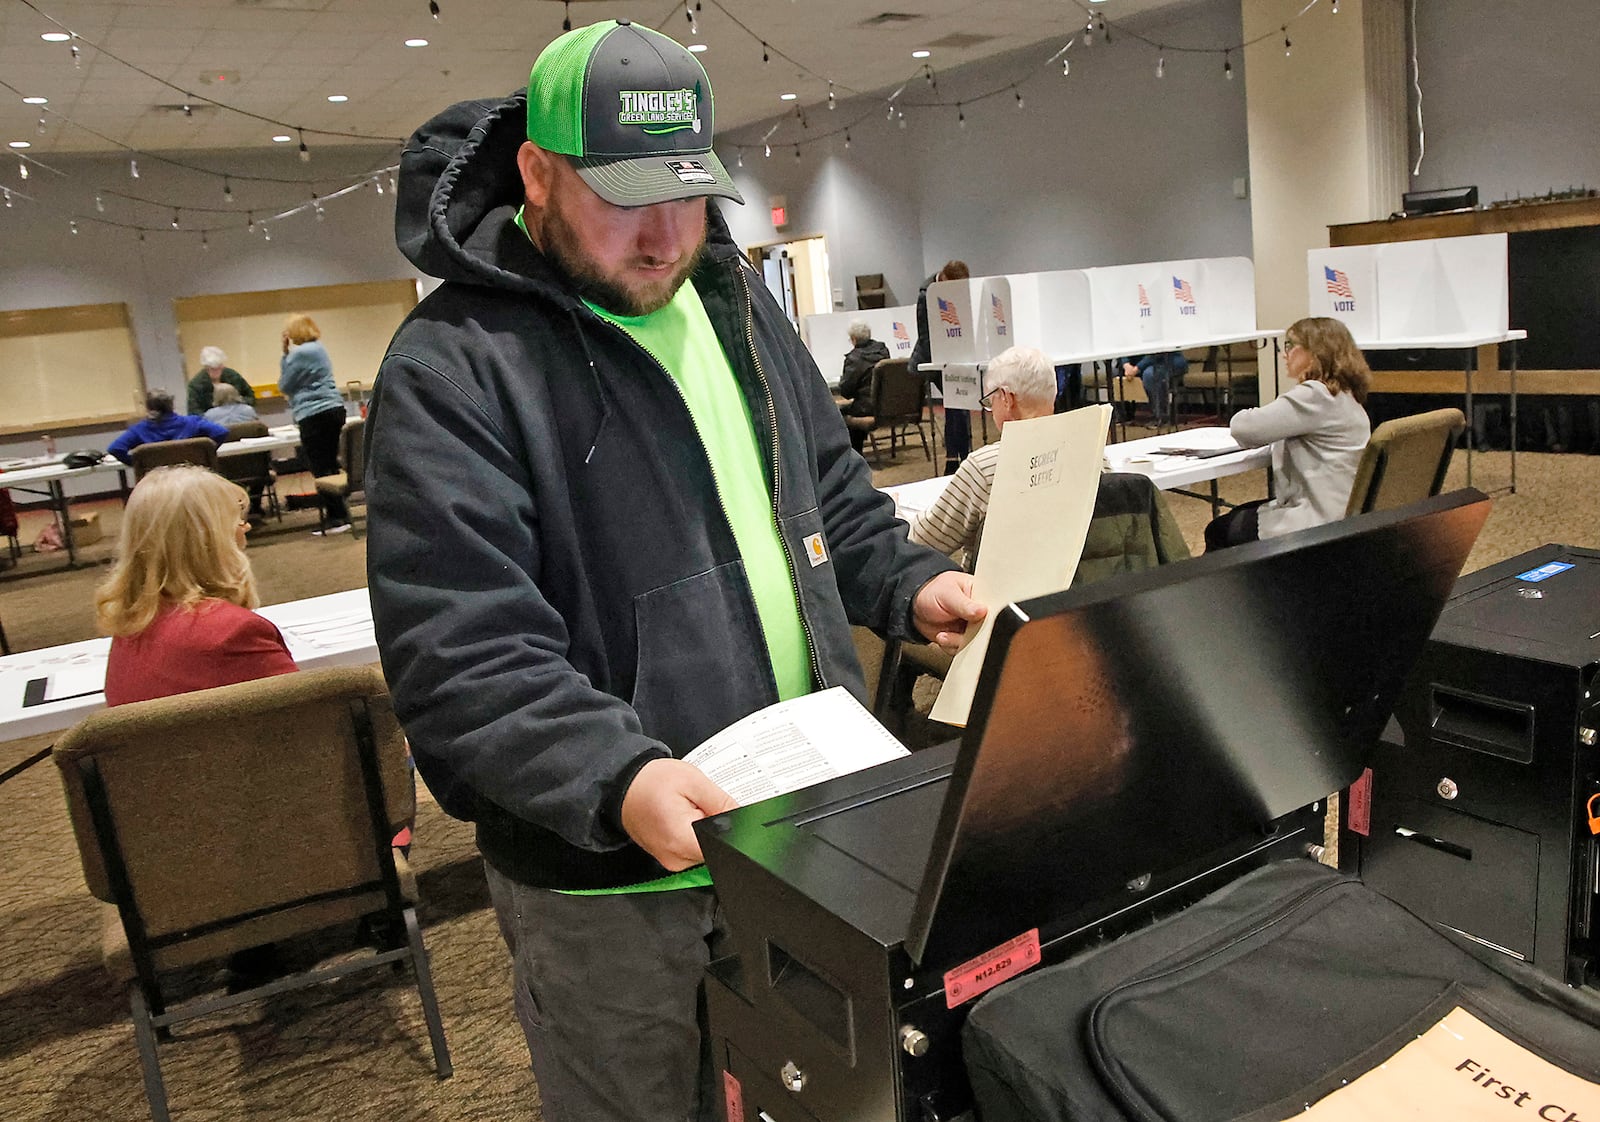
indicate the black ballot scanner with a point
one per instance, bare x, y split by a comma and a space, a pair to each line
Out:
1132, 746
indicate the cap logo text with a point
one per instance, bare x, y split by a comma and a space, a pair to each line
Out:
659, 111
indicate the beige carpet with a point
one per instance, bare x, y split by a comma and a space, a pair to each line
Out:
66, 1046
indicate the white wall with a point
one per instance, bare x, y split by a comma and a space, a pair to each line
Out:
1509, 96
44, 265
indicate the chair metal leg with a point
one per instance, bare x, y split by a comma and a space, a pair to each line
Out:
5, 647
888, 670
144, 1035
430, 1003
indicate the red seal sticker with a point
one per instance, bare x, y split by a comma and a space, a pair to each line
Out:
733, 1096
1359, 816
988, 970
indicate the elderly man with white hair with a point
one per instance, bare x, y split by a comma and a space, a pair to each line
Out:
214, 369
855, 384
1019, 384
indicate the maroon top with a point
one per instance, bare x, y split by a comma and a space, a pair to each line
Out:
216, 644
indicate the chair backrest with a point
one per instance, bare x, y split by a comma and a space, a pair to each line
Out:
352, 452
1406, 460
237, 801
200, 450
247, 467
1130, 531
898, 392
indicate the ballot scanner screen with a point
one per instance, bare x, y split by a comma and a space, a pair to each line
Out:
1127, 727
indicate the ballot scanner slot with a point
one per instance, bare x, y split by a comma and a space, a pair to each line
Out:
821, 1002
1482, 724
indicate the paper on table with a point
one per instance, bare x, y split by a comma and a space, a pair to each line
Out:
64, 682
1039, 510
794, 744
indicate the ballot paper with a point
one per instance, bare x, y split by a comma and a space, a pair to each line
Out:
1039, 509
794, 744
65, 682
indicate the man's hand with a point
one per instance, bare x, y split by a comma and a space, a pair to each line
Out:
1129, 370
944, 607
664, 801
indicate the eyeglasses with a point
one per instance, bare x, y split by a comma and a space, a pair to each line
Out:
1290, 345
986, 402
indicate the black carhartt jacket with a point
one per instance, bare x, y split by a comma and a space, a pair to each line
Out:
557, 593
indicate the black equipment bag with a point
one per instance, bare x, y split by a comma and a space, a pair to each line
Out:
1257, 1002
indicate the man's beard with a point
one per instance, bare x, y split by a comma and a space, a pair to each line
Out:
559, 243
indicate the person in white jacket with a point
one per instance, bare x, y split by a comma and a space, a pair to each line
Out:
1317, 430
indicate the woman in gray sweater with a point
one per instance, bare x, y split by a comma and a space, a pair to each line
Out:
1317, 430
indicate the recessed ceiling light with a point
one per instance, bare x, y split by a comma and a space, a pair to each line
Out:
337, 98
697, 48
35, 100
416, 42
281, 139
55, 37
787, 97
20, 144
920, 54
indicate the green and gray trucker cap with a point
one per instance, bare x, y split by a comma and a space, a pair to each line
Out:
632, 110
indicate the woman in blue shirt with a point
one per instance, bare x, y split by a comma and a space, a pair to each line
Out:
306, 379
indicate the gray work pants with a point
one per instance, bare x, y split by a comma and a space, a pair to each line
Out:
609, 993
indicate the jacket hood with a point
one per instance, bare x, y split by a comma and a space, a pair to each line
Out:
459, 188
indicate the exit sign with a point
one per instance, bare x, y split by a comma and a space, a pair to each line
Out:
780, 217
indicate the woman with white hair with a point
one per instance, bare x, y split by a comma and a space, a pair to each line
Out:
1019, 384
855, 384
213, 370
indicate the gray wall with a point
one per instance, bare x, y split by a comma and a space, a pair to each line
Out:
1105, 166
44, 265
1509, 97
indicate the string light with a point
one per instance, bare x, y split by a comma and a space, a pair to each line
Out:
1016, 93
227, 190
1088, 33
266, 232
316, 205
77, 57
566, 15
900, 115
433, 8
961, 117
769, 151
99, 204
305, 153
188, 110
797, 152
141, 235
1335, 7
1227, 67
203, 243
6, 191
391, 183
41, 126
831, 105
741, 157
694, 25
174, 219
847, 140
133, 169
378, 183
1287, 46
1066, 66
765, 57
1161, 63
249, 222
22, 167
73, 226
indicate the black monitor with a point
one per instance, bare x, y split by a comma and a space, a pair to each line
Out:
1438, 201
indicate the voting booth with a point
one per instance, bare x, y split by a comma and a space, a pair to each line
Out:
1113, 773
827, 336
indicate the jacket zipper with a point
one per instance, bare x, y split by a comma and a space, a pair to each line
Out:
1128, 1096
772, 423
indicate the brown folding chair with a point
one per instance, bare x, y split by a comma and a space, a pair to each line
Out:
216, 821
252, 470
200, 450
351, 479
899, 398
1406, 460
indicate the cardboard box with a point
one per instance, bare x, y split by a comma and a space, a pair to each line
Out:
86, 529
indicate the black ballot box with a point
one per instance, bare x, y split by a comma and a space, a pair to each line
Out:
1481, 812
1132, 746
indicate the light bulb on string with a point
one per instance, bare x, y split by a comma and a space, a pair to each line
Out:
847, 139
6, 191
77, 57
249, 222
73, 226
1105, 29
266, 232
741, 157
141, 234
22, 167
227, 190
961, 117
831, 104
797, 152
900, 115
316, 205
1227, 67
1016, 93
174, 219
203, 243
378, 183
99, 204
1088, 33
188, 110
1066, 66
133, 169
1287, 46
694, 25
433, 8
41, 126
1335, 7
1161, 63
566, 15
769, 151
305, 153
391, 183
765, 57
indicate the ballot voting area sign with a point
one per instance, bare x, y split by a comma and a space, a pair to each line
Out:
827, 336
1417, 292
1077, 315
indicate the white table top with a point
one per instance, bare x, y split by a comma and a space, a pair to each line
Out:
283, 438
334, 630
1143, 456
1150, 348
51, 472
1441, 342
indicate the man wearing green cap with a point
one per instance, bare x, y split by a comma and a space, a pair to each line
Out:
613, 509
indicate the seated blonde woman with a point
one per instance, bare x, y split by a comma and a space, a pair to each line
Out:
178, 601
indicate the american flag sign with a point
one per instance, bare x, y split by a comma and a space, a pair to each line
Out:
901, 333
998, 308
1144, 297
947, 313
1338, 283
1181, 292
